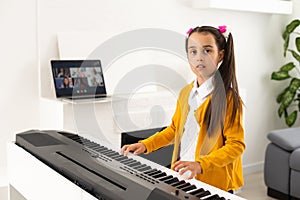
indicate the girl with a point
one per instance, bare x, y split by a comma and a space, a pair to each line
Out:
207, 127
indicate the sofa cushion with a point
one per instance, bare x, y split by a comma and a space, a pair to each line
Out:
295, 160
288, 139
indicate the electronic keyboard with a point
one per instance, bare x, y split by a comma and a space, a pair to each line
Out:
99, 168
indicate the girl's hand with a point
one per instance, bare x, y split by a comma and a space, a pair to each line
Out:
137, 148
184, 166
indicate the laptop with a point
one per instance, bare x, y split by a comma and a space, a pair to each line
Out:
78, 79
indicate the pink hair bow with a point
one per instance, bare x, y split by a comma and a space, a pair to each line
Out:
222, 29
189, 31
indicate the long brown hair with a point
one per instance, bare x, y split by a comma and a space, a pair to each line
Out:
224, 83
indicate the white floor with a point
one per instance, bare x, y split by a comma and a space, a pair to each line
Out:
254, 189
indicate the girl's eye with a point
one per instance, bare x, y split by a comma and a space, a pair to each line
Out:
206, 51
193, 52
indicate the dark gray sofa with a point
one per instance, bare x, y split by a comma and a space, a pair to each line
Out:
282, 164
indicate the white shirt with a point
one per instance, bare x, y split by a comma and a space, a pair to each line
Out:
191, 128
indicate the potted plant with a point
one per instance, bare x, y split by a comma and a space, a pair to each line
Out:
289, 98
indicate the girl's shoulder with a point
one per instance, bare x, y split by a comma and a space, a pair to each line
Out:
185, 91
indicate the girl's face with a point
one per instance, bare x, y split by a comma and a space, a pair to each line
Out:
203, 55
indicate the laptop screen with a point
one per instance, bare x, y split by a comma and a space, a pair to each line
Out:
78, 78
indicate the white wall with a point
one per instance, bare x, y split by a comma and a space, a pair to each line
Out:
19, 102
258, 48
257, 38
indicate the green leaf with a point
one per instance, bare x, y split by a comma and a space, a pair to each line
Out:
285, 45
280, 96
292, 26
287, 99
298, 44
288, 67
286, 34
290, 119
280, 110
294, 85
295, 55
280, 75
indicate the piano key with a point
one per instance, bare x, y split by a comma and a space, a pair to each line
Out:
100, 147
150, 171
128, 162
203, 194
188, 188
104, 150
112, 154
134, 164
184, 185
109, 151
140, 166
159, 175
116, 156
166, 178
93, 145
153, 173
197, 191
97, 148
121, 158
213, 197
173, 180
178, 183
145, 169
137, 166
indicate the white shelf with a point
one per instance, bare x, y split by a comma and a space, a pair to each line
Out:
260, 6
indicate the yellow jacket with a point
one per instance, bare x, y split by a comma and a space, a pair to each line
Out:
222, 165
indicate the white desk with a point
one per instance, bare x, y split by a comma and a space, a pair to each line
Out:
107, 119
36, 181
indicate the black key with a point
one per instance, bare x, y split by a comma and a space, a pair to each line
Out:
116, 156
93, 145
137, 166
103, 150
173, 180
151, 171
145, 169
109, 151
99, 148
112, 154
191, 187
195, 192
178, 183
184, 185
89, 144
159, 175
166, 178
128, 160
203, 194
134, 164
213, 197
140, 166
121, 158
